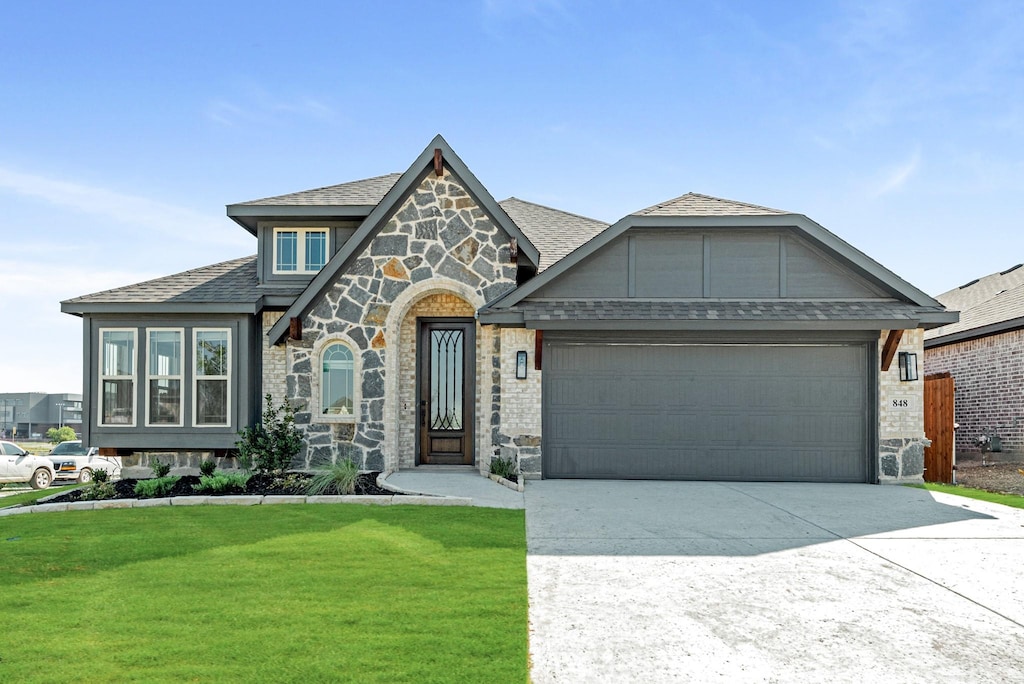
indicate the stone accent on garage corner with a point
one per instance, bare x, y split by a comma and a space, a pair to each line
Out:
516, 403
901, 438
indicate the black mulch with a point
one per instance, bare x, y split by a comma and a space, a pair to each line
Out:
292, 483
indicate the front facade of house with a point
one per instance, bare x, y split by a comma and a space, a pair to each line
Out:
411, 320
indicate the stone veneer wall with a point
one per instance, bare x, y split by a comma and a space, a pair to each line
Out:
438, 241
901, 436
519, 434
989, 377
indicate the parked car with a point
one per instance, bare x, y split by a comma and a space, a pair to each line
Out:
17, 465
73, 461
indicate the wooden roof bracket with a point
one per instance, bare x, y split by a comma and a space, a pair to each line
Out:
438, 162
295, 328
889, 348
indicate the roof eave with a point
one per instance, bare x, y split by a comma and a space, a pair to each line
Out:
82, 308
249, 215
719, 325
973, 333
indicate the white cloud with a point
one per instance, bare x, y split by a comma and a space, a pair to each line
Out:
257, 106
140, 212
894, 178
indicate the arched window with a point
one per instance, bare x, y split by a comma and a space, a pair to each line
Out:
337, 384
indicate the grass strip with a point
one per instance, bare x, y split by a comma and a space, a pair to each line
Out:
33, 495
980, 494
299, 593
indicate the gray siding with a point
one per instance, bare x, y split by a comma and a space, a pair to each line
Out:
708, 411
244, 384
720, 263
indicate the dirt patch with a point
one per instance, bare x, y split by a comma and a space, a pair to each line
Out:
1003, 478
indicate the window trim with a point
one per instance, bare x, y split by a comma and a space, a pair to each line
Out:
180, 378
317, 381
300, 248
101, 377
196, 378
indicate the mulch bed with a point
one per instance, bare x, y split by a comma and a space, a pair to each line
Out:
1002, 478
292, 483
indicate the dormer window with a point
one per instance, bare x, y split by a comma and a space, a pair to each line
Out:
300, 250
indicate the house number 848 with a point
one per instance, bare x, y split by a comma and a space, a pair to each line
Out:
900, 403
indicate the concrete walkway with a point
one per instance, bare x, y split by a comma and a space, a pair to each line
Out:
456, 482
719, 582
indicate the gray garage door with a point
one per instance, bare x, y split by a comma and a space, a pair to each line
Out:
706, 412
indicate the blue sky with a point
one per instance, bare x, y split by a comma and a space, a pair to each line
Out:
126, 127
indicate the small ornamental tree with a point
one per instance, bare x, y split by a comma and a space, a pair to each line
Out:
58, 435
270, 446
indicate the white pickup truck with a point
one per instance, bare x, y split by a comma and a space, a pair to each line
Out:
17, 465
72, 461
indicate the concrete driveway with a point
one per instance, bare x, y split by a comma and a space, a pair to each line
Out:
752, 582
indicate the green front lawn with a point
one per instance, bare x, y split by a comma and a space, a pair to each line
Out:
30, 495
289, 593
980, 494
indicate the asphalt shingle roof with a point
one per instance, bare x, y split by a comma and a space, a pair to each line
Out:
716, 310
227, 282
994, 299
553, 232
694, 204
369, 191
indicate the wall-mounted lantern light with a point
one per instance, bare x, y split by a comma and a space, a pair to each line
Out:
908, 366
521, 365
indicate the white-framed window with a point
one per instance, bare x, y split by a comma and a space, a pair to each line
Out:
117, 377
164, 376
300, 250
211, 382
336, 382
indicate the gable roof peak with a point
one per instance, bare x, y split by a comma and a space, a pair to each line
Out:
696, 204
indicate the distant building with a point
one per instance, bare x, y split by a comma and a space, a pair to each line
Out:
28, 415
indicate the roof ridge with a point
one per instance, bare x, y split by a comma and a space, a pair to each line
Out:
724, 200
560, 211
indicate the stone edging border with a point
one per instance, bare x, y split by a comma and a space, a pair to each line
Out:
242, 500
517, 486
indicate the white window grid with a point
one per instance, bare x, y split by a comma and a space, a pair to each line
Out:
150, 375
103, 376
196, 377
302, 239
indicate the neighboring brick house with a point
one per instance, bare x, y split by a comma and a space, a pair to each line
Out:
984, 352
414, 321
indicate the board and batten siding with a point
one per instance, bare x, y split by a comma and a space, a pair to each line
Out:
721, 263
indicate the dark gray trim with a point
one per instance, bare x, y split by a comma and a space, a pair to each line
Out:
783, 267
717, 324
846, 253
405, 186
161, 307
982, 331
873, 390
249, 215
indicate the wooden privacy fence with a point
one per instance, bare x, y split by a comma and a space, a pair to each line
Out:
938, 427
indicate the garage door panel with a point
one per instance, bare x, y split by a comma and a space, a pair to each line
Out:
742, 412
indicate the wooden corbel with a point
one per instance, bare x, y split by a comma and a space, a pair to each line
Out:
889, 348
295, 328
438, 163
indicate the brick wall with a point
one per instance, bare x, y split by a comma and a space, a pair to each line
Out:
989, 377
275, 363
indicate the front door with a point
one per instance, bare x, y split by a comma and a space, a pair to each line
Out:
447, 394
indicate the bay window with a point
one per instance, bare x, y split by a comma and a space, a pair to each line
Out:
164, 377
211, 395
117, 377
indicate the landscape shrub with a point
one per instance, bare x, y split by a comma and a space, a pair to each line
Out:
270, 446
100, 475
503, 467
160, 469
155, 488
97, 491
206, 468
222, 483
339, 478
